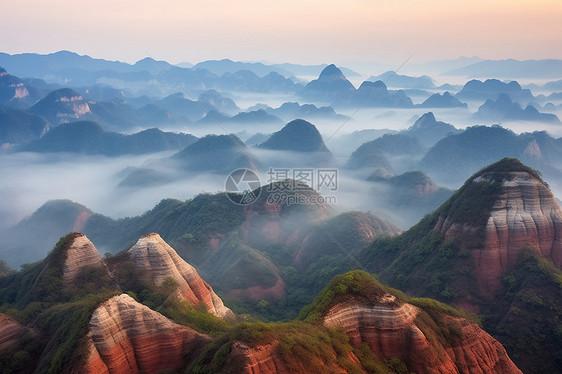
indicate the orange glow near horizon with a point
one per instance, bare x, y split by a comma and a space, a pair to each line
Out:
293, 31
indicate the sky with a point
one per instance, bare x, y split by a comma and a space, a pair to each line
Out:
305, 31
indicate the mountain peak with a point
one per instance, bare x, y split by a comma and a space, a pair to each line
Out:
126, 336
426, 120
390, 324
298, 135
498, 212
505, 168
331, 72
331, 85
80, 252
153, 256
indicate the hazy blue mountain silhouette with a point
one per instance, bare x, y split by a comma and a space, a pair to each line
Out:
504, 109
445, 100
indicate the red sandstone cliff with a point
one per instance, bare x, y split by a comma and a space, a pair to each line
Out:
11, 332
524, 214
80, 252
394, 329
128, 337
153, 256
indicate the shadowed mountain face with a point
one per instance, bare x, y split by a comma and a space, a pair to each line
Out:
491, 88
409, 196
297, 135
17, 126
455, 157
445, 100
392, 79
61, 106
334, 88
216, 153
32, 237
88, 137
213, 100
503, 109
291, 110
376, 94
386, 155
301, 143
13, 91
429, 131
487, 249
330, 85
369, 157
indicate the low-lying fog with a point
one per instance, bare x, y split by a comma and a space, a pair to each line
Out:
29, 180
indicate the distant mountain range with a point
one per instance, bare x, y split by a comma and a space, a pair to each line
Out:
250, 118
392, 79
445, 100
146, 76
503, 109
333, 87
539, 69
18, 127
455, 157
90, 138
491, 88
15, 92
220, 67
291, 110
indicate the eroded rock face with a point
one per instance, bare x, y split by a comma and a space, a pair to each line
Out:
152, 255
266, 359
80, 253
526, 214
11, 332
260, 359
128, 337
392, 329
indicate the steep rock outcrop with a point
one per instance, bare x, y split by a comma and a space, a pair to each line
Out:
128, 337
155, 257
81, 252
11, 332
267, 358
523, 214
258, 359
61, 106
392, 329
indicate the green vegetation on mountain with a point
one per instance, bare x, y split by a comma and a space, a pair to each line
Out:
423, 263
186, 225
38, 296
526, 314
366, 289
294, 344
